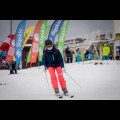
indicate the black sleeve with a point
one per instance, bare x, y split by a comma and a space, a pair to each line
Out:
60, 59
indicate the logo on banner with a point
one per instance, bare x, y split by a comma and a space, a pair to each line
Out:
8, 40
36, 37
18, 53
13, 43
40, 51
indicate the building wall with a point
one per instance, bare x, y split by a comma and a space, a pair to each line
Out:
87, 39
116, 24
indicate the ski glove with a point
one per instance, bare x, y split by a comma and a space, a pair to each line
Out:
63, 69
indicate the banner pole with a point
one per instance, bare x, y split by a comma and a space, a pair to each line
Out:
11, 30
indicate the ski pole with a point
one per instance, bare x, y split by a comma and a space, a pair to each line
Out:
73, 79
47, 80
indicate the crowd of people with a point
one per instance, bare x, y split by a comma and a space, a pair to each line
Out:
79, 55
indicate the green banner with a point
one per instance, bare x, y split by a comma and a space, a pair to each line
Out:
28, 57
62, 35
42, 37
47, 30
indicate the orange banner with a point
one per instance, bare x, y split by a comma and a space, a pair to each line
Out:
35, 43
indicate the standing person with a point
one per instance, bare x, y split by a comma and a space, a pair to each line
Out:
68, 54
90, 55
3, 56
86, 55
53, 61
78, 55
111, 54
12, 67
117, 57
71, 56
106, 52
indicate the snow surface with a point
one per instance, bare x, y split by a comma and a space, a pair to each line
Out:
98, 82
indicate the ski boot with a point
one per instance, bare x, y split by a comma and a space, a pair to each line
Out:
65, 91
57, 93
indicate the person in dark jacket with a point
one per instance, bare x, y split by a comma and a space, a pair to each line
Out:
53, 61
12, 67
68, 55
86, 55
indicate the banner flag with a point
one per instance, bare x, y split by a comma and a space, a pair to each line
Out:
27, 34
56, 26
42, 38
47, 30
6, 43
35, 43
19, 41
62, 35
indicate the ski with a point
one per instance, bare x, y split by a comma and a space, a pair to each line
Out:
69, 95
59, 95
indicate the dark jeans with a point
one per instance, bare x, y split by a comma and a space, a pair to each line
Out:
69, 59
13, 69
105, 57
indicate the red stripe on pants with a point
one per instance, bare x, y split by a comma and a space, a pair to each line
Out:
54, 78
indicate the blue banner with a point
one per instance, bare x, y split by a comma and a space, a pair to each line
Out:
56, 26
19, 41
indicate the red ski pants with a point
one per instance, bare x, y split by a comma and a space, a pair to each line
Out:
54, 78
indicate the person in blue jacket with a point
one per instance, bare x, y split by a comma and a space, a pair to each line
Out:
90, 55
78, 55
3, 56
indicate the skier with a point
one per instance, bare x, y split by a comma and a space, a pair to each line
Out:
12, 66
53, 61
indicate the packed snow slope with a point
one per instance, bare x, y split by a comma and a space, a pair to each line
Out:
97, 82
